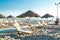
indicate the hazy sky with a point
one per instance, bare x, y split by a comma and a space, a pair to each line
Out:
17, 7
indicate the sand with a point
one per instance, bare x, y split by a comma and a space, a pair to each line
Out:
41, 34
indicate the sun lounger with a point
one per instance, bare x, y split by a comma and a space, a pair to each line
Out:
40, 24
44, 23
20, 31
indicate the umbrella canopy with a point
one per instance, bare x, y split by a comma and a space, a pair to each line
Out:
29, 14
47, 15
2, 16
10, 16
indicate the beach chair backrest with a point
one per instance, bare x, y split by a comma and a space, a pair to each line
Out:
40, 23
17, 26
44, 23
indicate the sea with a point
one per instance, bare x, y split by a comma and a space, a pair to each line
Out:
30, 18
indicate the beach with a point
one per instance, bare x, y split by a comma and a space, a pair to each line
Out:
41, 34
46, 32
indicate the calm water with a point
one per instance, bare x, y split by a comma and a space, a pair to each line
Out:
32, 18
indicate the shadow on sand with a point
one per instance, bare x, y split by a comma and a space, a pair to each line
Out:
35, 37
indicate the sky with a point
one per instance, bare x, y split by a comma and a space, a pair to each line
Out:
17, 7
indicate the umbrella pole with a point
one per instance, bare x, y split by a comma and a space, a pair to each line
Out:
30, 20
47, 20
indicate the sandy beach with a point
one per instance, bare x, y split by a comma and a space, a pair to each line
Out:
49, 32
41, 34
